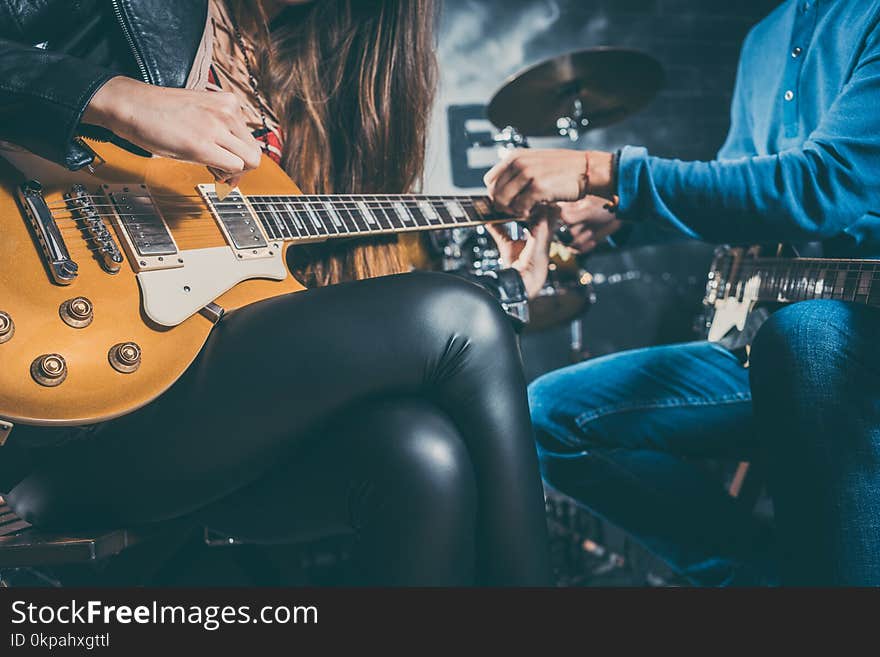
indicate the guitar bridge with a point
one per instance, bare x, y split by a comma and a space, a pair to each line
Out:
103, 243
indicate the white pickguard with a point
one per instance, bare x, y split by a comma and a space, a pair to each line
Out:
729, 313
172, 295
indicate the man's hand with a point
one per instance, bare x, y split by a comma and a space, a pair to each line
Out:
589, 221
531, 257
204, 127
526, 178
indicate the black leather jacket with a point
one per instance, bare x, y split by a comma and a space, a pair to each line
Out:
55, 54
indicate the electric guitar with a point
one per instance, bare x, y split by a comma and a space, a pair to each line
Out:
740, 278
112, 279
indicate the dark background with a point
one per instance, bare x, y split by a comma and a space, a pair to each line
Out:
658, 289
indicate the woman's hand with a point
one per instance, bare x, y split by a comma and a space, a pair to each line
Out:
589, 222
204, 127
530, 257
526, 178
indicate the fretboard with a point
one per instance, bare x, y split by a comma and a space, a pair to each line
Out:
801, 279
313, 217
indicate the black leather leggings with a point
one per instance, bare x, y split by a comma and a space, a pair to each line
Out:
393, 408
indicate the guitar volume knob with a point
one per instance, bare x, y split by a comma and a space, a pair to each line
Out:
77, 312
125, 357
49, 370
7, 327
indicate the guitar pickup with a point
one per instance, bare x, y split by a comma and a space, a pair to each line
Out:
147, 238
238, 221
61, 266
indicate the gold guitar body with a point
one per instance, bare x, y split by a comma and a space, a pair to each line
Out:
92, 390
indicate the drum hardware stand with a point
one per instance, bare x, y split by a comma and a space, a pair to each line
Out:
577, 340
505, 140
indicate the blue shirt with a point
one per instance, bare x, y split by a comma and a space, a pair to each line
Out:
802, 159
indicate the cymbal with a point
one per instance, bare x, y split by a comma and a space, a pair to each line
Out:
579, 91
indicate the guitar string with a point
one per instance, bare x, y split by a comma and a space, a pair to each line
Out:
322, 205
289, 197
306, 216
324, 216
269, 207
306, 229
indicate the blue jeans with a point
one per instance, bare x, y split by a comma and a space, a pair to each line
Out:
620, 435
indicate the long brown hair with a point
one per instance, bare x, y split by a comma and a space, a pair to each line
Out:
352, 82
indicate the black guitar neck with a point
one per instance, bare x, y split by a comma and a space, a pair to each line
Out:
788, 280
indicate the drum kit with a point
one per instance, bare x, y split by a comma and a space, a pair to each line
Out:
562, 97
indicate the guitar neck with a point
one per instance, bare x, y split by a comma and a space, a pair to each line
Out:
308, 218
788, 280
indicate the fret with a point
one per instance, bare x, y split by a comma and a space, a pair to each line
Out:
767, 284
268, 226
840, 284
820, 289
350, 211
812, 280
403, 213
456, 211
443, 212
312, 220
799, 284
432, 211
395, 222
864, 287
337, 218
281, 227
294, 222
367, 213
850, 286
786, 284
387, 216
470, 210
332, 225
287, 216
317, 220
770, 283
874, 292
272, 224
299, 225
417, 211
483, 207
